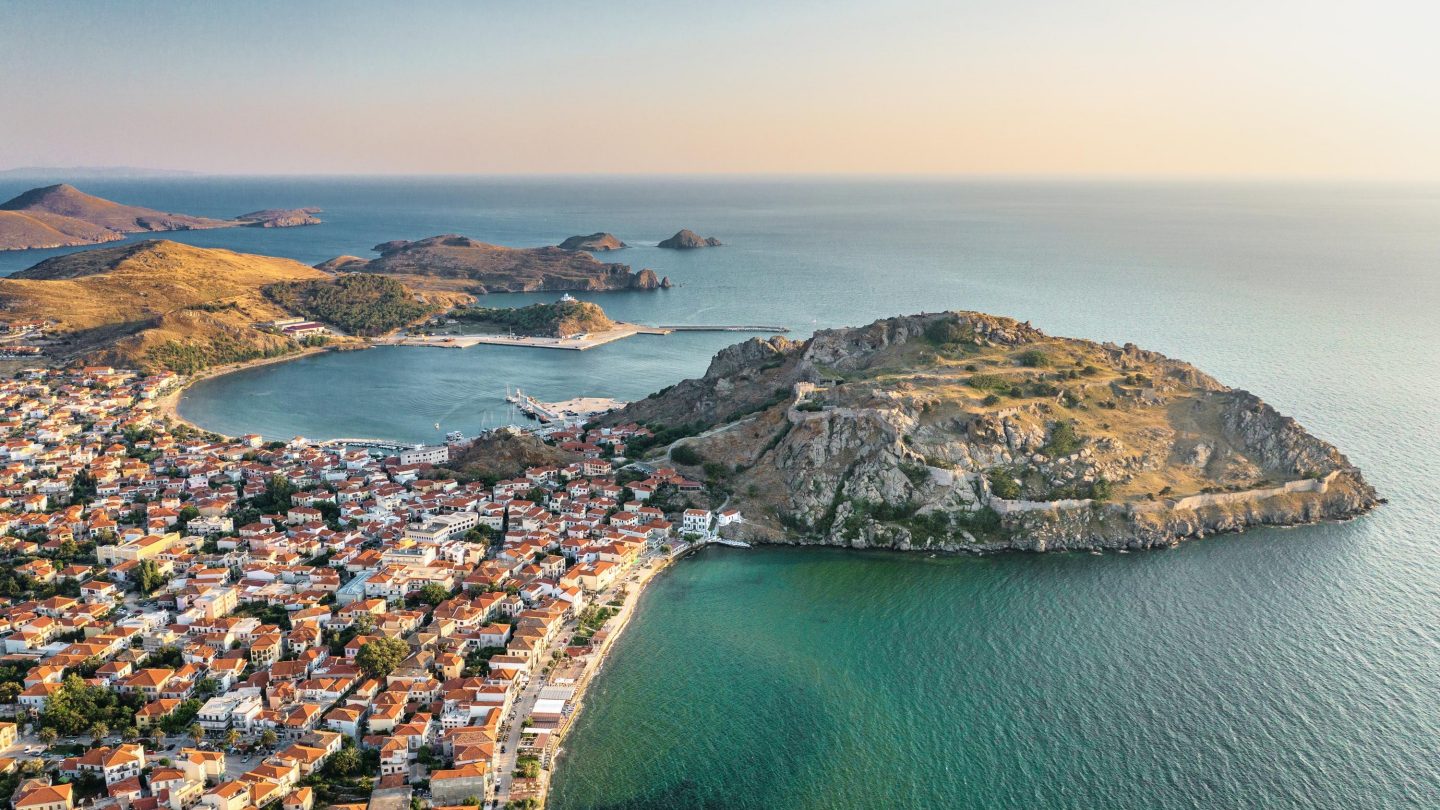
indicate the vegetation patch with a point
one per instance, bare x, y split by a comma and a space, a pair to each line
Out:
359, 303
560, 319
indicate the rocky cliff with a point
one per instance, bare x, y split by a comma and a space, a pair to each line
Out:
969, 431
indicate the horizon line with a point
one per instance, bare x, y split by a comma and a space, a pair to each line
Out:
136, 172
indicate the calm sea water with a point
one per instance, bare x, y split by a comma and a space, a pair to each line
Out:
1292, 668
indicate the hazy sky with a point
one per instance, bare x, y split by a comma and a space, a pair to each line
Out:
1305, 88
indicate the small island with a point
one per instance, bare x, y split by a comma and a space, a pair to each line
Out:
686, 239
280, 218
600, 241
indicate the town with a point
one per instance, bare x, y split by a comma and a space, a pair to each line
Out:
190, 619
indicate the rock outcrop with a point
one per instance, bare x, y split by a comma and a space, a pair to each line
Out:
686, 239
458, 263
600, 241
965, 431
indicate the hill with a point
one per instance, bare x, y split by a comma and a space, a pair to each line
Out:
970, 431
359, 304
560, 319
501, 454
155, 304
458, 263
62, 215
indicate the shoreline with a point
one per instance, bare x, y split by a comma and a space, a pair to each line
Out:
596, 663
168, 406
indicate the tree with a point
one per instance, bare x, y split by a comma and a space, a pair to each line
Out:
99, 730
345, 762
432, 594
9, 691
148, 576
380, 657
207, 688
48, 735
269, 738
364, 624
197, 733
232, 737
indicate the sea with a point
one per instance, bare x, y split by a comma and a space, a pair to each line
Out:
1293, 668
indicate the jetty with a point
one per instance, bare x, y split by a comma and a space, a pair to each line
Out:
701, 328
574, 343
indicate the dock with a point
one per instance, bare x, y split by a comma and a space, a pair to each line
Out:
568, 410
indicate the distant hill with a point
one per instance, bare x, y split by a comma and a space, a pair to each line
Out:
156, 304
461, 264
62, 215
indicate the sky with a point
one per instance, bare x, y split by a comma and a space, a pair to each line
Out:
1214, 89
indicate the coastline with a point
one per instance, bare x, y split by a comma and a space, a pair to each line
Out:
595, 663
168, 406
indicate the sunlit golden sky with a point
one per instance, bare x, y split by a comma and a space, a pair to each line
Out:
1025, 87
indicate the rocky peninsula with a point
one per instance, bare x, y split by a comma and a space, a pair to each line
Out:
966, 431
62, 215
461, 264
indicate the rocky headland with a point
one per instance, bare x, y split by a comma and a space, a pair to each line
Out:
686, 239
62, 215
600, 241
461, 264
966, 431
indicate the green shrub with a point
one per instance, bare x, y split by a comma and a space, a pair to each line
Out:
1003, 484
687, 455
1034, 358
1063, 440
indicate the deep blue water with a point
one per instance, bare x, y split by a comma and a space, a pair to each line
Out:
1278, 669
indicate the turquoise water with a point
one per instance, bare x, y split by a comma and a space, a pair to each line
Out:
1294, 668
